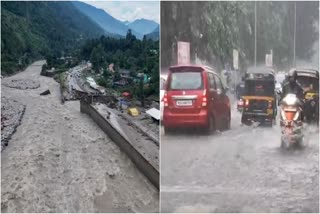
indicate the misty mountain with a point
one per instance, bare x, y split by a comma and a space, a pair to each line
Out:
104, 20
126, 22
30, 30
157, 29
154, 35
143, 26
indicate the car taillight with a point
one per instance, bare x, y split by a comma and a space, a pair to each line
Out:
204, 98
270, 104
165, 100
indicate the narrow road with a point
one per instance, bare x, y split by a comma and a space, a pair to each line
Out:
239, 170
59, 160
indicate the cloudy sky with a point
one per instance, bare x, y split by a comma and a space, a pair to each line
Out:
130, 10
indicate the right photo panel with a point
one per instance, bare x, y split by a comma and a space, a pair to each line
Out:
239, 107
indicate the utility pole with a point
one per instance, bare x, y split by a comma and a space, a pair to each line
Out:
255, 34
294, 34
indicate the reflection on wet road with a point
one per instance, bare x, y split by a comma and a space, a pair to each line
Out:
239, 170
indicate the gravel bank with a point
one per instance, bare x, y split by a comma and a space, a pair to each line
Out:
11, 114
22, 84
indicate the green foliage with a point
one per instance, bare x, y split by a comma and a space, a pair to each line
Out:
125, 53
228, 25
32, 30
117, 76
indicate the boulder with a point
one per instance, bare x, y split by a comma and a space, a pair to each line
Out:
46, 92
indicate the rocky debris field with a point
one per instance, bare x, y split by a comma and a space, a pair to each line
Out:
22, 84
60, 161
11, 114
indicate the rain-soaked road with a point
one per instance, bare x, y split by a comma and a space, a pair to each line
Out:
239, 170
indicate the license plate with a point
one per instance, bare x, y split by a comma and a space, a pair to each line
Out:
184, 102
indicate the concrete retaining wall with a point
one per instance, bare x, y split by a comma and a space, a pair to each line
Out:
99, 99
142, 129
138, 159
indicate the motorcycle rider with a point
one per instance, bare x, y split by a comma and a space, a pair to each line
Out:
291, 86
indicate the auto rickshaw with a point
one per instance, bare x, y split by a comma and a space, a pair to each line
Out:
259, 97
239, 94
309, 80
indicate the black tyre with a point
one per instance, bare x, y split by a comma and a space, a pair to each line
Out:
284, 146
245, 121
211, 127
167, 130
228, 122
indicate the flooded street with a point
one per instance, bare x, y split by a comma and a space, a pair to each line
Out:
59, 160
239, 170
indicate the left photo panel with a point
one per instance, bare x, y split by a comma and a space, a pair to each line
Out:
80, 106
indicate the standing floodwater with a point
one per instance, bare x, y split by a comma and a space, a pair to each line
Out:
59, 160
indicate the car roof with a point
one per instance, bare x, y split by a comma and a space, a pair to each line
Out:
203, 67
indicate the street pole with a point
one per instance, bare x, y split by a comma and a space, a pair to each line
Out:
255, 34
294, 35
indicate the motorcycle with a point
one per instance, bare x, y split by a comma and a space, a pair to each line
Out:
291, 122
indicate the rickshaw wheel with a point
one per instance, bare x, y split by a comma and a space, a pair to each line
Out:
245, 121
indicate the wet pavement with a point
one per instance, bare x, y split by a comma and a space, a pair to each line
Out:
239, 170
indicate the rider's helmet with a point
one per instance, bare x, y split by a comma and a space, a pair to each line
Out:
292, 76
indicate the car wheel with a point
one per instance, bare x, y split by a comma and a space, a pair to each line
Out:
211, 127
167, 130
228, 122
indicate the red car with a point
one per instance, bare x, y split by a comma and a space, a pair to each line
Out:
195, 97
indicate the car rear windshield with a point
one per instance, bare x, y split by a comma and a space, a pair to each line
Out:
188, 80
259, 88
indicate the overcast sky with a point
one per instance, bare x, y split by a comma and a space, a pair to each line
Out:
130, 10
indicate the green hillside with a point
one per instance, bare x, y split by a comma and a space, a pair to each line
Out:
31, 30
